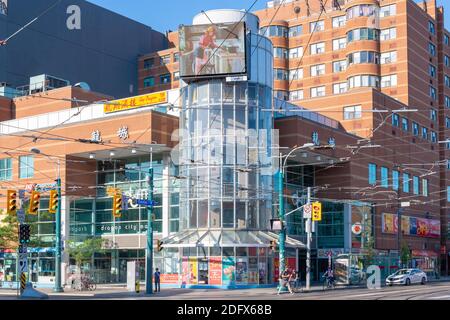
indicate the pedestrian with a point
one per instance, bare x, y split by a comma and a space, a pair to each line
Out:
157, 280
284, 280
293, 281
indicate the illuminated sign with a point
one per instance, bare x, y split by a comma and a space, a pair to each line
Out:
212, 50
4, 7
136, 102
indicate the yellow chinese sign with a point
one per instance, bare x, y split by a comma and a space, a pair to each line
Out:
317, 211
136, 102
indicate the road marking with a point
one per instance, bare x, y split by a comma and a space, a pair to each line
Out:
440, 298
385, 292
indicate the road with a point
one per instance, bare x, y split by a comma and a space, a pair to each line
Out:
431, 291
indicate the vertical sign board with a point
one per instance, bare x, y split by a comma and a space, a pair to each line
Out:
317, 211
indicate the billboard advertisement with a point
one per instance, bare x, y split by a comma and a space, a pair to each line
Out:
4, 7
425, 228
212, 50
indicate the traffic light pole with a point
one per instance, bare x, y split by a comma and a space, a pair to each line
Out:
282, 235
149, 251
58, 287
308, 245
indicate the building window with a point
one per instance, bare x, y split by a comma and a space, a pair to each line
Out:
26, 167
318, 92
176, 57
318, 48
405, 124
448, 194
388, 34
388, 11
165, 60
362, 10
280, 74
274, 31
176, 76
296, 95
353, 112
164, 78
295, 31
384, 177
281, 53
317, 26
339, 88
149, 82
433, 115
431, 27
148, 63
395, 120
424, 133
433, 94
446, 39
364, 81
339, 44
363, 34
389, 81
415, 128
447, 61
395, 179
281, 95
317, 70
406, 182
363, 57
339, 21
5, 169
447, 101
432, 49
372, 174
448, 164
295, 74
388, 57
416, 185
295, 53
434, 138
432, 71
447, 81
447, 122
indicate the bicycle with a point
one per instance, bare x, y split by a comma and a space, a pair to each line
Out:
84, 283
297, 286
328, 283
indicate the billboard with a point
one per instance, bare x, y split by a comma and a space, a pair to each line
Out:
136, 102
425, 228
4, 7
212, 50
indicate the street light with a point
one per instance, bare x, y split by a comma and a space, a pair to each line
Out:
58, 264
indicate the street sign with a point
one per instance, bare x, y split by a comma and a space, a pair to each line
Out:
317, 211
23, 249
237, 79
307, 209
22, 194
143, 202
23, 264
357, 228
21, 216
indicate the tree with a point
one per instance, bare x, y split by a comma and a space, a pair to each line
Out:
83, 251
405, 254
9, 229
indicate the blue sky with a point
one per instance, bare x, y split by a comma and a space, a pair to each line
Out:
163, 15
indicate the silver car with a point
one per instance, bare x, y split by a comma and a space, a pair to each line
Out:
407, 277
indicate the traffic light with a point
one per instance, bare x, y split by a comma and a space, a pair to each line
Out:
273, 245
24, 233
12, 202
117, 205
317, 211
159, 244
34, 203
54, 201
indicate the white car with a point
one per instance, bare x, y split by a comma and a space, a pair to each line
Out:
407, 277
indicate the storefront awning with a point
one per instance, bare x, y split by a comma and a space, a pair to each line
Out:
226, 238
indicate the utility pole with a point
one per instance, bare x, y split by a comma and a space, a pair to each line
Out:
399, 230
149, 251
58, 287
282, 235
308, 244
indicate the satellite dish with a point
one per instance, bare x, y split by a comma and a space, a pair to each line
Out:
297, 10
83, 85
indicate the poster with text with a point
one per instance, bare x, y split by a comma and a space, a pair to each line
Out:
215, 271
228, 271
193, 271
185, 271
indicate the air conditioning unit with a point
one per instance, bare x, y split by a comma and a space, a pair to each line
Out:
45, 82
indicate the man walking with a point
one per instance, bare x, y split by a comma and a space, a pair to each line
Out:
157, 280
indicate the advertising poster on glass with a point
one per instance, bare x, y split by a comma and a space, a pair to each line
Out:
215, 271
193, 271
228, 271
212, 50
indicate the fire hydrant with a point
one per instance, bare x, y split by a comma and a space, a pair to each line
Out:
137, 287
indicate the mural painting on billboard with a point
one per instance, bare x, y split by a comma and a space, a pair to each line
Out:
420, 227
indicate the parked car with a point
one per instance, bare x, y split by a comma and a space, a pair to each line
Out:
407, 277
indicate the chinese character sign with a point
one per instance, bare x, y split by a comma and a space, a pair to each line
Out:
315, 138
122, 133
96, 136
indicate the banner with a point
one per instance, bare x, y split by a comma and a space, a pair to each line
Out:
169, 278
215, 271
420, 227
136, 102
